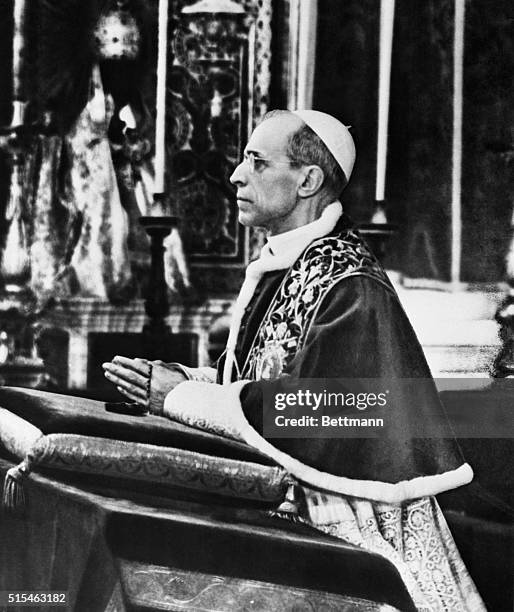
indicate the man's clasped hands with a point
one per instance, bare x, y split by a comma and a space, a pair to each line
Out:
142, 381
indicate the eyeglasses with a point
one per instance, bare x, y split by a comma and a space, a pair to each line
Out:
256, 163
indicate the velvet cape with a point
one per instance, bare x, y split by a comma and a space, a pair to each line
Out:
361, 331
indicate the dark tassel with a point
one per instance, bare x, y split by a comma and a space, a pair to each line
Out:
14, 500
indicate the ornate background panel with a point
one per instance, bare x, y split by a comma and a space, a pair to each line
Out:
218, 86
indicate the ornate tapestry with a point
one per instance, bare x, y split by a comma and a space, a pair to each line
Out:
218, 88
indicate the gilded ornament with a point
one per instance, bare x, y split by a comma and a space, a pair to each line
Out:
117, 35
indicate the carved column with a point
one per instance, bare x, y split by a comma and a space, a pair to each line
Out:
19, 363
15, 265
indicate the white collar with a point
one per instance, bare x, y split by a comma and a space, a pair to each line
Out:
296, 240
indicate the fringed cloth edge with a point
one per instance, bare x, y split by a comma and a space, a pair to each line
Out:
132, 461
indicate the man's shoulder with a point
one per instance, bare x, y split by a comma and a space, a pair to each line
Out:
341, 254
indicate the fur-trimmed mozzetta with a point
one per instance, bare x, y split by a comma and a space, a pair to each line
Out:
218, 408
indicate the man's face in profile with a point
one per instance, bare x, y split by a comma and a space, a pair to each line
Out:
267, 184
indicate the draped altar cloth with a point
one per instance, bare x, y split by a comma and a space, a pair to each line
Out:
100, 257
175, 459
78, 226
88, 529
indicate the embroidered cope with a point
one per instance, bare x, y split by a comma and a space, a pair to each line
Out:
332, 313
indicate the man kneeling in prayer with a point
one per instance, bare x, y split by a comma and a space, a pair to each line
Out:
318, 305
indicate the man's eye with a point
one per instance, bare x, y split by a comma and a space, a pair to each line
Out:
259, 163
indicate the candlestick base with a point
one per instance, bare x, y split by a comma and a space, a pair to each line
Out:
378, 235
155, 225
378, 232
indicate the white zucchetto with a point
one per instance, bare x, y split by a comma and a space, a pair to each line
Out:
334, 135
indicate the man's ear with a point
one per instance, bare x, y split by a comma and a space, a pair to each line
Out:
313, 177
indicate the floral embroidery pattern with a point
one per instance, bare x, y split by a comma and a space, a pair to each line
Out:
286, 324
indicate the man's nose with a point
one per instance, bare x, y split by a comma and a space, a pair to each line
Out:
239, 175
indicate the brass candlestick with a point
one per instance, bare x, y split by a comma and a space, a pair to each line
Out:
156, 333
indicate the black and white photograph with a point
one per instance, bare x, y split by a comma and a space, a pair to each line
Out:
257, 305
